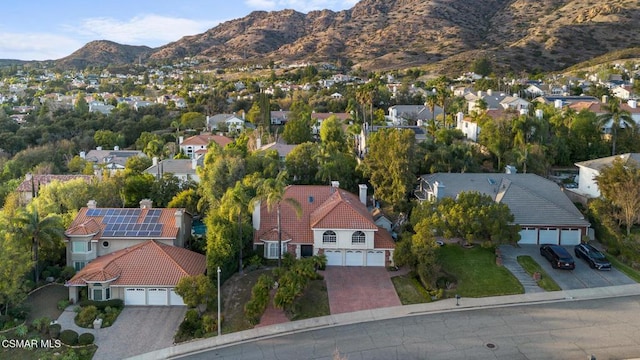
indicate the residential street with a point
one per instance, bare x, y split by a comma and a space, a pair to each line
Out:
606, 328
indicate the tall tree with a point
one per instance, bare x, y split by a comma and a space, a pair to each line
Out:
618, 117
40, 231
235, 204
272, 191
390, 164
620, 184
14, 265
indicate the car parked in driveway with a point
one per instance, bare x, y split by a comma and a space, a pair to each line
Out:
558, 256
592, 256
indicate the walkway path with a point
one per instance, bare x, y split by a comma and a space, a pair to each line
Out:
272, 315
509, 260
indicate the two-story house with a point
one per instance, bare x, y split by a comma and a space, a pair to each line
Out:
136, 255
333, 222
196, 146
590, 169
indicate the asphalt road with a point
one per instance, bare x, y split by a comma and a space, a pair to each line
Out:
605, 328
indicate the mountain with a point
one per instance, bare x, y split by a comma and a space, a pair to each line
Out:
103, 53
442, 35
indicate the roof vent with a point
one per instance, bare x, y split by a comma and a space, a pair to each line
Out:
310, 199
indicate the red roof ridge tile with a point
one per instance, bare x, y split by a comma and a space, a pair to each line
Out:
166, 254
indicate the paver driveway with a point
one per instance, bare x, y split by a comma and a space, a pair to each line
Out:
138, 330
359, 288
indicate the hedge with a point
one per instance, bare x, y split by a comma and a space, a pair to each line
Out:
69, 337
100, 305
54, 331
256, 306
86, 339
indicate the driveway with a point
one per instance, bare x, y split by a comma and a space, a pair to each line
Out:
359, 288
581, 278
138, 330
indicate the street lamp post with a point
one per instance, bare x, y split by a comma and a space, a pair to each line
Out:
219, 331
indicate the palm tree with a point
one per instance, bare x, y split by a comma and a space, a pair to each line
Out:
442, 95
40, 231
236, 201
272, 191
431, 102
619, 117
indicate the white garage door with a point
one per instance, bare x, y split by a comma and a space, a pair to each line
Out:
134, 296
334, 257
175, 299
570, 236
375, 258
549, 236
355, 258
528, 236
157, 297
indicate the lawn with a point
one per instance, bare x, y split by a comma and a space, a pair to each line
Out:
313, 303
624, 268
531, 266
409, 290
476, 273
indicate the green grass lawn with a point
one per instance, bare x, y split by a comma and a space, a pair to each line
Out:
624, 268
476, 272
313, 303
531, 266
409, 290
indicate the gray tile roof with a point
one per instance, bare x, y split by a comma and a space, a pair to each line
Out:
598, 164
174, 166
533, 200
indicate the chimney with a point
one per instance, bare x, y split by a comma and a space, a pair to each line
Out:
539, 114
28, 177
363, 193
92, 204
180, 139
146, 204
480, 94
557, 104
116, 148
510, 169
83, 155
255, 217
489, 92
99, 148
155, 161
438, 190
605, 99
335, 184
632, 103
178, 216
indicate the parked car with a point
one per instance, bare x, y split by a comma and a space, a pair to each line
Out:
558, 256
592, 256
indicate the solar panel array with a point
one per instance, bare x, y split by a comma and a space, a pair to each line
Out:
127, 222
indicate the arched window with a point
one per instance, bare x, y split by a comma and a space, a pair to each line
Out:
358, 237
329, 237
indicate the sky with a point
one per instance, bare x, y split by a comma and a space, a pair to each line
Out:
49, 30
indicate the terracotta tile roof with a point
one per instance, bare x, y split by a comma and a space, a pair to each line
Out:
147, 264
44, 180
322, 207
205, 139
90, 221
383, 239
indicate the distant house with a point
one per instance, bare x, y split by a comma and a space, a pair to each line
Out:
412, 114
334, 222
279, 117
136, 255
183, 169
597, 107
366, 131
99, 106
590, 169
624, 92
196, 146
32, 184
545, 214
318, 118
560, 101
494, 101
228, 121
111, 160
279, 146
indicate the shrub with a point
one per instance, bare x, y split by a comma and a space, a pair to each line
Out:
41, 324
67, 273
54, 331
101, 305
86, 316
86, 339
53, 271
110, 315
21, 331
256, 306
69, 337
190, 327
62, 304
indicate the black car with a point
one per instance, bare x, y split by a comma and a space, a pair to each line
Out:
558, 256
592, 256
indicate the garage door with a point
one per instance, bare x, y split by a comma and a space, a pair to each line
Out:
355, 258
157, 297
570, 236
134, 296
174, 298
375, 258
334, 257
528, 236
549, 236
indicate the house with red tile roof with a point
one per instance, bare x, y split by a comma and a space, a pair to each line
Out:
136, 255
334, 222
196, 146
32, 184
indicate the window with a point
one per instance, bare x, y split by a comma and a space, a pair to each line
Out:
358, 237
271, 250
78, 265
100, 294
329, 237
79, 247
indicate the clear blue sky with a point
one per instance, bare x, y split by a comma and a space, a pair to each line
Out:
47, 29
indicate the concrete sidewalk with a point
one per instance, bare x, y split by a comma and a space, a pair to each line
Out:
448, 305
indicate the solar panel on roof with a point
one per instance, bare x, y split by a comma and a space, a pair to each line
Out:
110, 212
